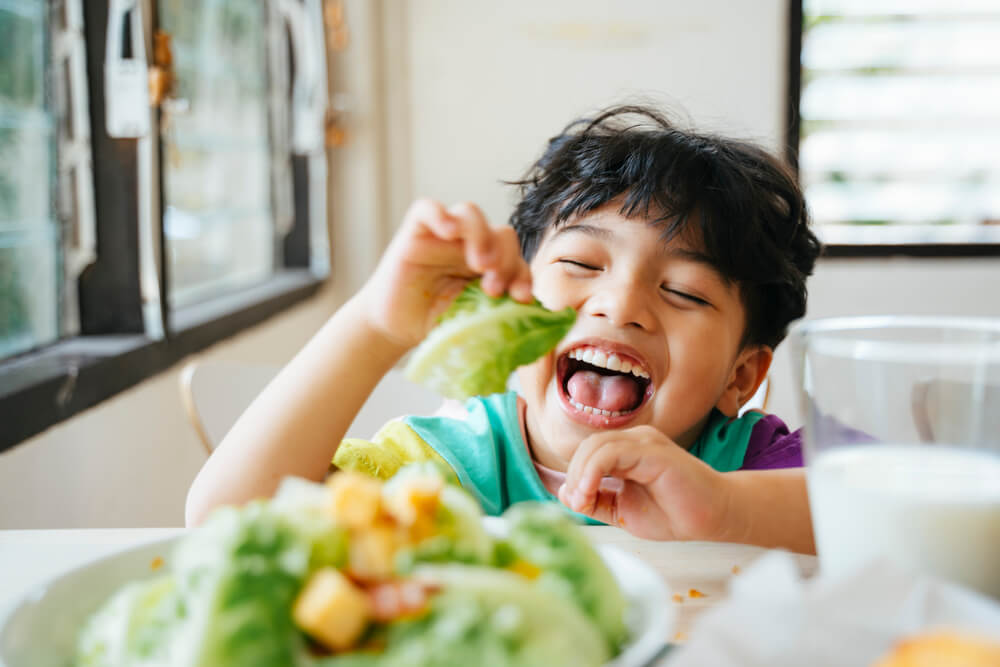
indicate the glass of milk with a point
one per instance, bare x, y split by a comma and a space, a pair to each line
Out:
902, 443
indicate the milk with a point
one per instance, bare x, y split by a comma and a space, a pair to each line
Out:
935, 508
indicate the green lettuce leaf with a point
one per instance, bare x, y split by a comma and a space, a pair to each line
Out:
228, 601
240, 574
134, 627
481, 339
487, 617
547, 537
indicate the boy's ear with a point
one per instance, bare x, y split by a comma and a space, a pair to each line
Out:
749, 371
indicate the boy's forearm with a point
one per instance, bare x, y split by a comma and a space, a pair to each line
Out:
294, 426
769, 508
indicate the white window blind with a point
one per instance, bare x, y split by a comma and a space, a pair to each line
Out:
900, 120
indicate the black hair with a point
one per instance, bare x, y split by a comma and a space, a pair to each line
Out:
746, 206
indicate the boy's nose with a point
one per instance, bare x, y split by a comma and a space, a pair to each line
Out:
624, 305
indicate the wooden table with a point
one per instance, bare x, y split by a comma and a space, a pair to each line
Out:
703, 567
30, 557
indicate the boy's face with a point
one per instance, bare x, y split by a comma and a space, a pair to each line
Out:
657, 338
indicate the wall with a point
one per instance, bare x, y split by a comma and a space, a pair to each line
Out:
487, 83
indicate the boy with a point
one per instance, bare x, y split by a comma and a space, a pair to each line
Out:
685, 257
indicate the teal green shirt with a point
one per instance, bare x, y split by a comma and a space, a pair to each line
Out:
486, 451
488, 454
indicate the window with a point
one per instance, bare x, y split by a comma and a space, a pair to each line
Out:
218, 221
29, 234
900, 124
121, 254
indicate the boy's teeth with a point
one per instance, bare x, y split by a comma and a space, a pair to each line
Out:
595, 411
612, 362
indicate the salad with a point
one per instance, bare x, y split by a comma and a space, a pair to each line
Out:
356, 572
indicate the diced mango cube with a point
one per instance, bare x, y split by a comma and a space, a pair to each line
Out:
421, 529
332, 610
412, 499
355, 499
371, 552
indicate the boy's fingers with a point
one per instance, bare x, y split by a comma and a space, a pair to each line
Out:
461, 222
492, 283
619, 455
494, 253
520, 287
602, 505
480, 250
508, 267
616, 459
580, 486
575, 500
578, 462
605, 508
432, 215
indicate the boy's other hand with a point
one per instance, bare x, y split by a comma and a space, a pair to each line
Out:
665, 493
435, 253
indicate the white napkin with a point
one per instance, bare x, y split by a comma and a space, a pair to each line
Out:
773, 618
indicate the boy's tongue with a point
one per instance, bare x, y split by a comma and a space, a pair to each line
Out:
614, 393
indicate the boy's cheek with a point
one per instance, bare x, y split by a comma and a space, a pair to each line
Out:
556, 299
547, 296
534, 377
545, 286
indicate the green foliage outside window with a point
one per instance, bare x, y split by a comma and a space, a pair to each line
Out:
22, 80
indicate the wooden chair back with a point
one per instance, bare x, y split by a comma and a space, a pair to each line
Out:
216, 392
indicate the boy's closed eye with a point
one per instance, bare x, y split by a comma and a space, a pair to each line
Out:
575, 264
690, 298
583, 267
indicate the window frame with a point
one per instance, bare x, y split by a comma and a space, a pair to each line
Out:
113, 350
794, 136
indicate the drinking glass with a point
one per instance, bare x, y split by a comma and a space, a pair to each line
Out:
902, 443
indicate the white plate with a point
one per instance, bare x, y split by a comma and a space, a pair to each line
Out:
41, 630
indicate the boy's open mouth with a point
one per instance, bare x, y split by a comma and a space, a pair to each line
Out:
599, 382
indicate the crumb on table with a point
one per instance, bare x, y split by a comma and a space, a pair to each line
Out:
695, 593
678, 598
156, 564
736, 569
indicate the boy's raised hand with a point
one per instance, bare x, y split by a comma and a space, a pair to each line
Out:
435, 253
665, 493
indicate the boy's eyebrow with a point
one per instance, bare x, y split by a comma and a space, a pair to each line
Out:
690, 255
591, 230
606, 234
698, 257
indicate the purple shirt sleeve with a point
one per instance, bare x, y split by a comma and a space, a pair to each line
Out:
772, 446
